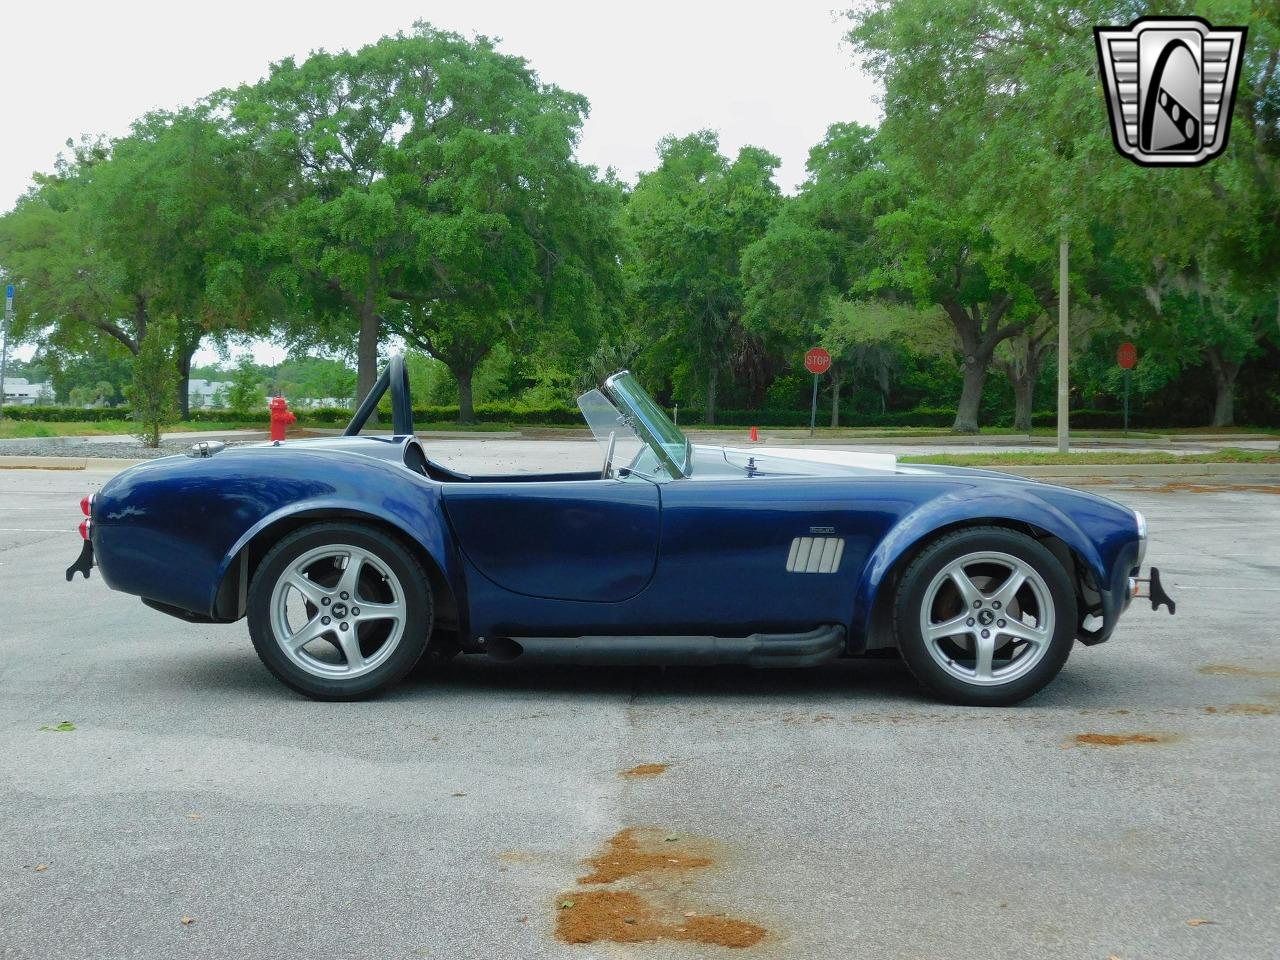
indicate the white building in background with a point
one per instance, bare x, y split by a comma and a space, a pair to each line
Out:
207, 393
23, 393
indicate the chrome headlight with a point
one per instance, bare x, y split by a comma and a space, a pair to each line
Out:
1142, 536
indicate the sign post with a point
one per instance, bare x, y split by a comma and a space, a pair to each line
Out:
1126, 356
817, 361
1064, 352
4, 348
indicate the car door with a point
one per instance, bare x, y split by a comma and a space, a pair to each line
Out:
594, 540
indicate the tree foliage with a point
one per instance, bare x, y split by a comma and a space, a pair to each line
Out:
429, 190
423, 191
155, 378
690, 220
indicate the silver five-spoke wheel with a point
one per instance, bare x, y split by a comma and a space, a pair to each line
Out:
987, 618
338, 612
986, 615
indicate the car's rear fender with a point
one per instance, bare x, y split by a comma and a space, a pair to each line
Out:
426, 534
968, 507
186, 532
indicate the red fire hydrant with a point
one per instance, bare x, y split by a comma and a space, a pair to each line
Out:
281, 417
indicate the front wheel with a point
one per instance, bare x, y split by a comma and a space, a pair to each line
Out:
338, 611
985, 616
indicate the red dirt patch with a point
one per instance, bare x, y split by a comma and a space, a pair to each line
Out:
624, 858
620, 916
643, 770
1235, 670
1117, 739
1248, 709
658, 862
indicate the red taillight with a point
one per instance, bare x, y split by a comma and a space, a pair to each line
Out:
84, 529
85, 503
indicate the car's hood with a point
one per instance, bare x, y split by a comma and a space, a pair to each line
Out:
711, 462
719, 462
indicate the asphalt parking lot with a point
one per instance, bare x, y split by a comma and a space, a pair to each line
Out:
152, 772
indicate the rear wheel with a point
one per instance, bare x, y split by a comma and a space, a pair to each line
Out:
985, 616
339, 611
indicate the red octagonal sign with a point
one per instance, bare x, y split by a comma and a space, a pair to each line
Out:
1127, 356
817, 361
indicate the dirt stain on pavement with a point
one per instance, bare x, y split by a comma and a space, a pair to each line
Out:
656, 864
1235, 670
1245, 709
1179, 486
623, 916
640, 771
1118, 739
624, 856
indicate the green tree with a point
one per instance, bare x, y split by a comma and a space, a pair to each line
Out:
180, 212
245, 395
865, 339
805, 278
161, 223
155, 377
71, 287
689, 222
429, 189
996, 108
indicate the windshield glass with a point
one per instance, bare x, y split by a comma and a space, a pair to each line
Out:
664, 438
618, 442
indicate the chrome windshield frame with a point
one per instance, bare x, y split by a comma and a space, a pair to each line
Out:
648, 420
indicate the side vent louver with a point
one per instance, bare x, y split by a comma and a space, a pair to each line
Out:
815, 555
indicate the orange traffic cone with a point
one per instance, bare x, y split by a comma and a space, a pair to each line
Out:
755, 435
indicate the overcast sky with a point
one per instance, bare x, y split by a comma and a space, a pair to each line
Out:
770, 74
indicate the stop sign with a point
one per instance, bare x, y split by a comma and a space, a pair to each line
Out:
1127, 356
817, 361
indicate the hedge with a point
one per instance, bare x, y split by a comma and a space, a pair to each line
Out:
317, 416
1096, 419
66, 414
563, 415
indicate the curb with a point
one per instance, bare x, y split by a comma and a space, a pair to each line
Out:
1140, 471
66, 463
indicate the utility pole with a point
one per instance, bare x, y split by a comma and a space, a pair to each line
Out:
1064, 428
4, 349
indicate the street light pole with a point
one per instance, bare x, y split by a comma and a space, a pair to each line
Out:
1064, 429
4, 348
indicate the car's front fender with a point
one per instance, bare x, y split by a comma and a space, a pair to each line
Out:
1096, 537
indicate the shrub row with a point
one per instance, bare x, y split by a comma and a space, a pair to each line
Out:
318, 416
66, 414
1096, 419
569, 416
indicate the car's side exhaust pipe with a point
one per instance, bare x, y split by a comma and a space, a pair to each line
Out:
758, 650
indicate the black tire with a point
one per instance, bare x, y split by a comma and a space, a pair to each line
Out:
387, 551
930, 564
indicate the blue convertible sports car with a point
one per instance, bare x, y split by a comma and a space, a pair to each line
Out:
354, 557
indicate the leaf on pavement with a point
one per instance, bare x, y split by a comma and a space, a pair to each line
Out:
1198, 922
187, 921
